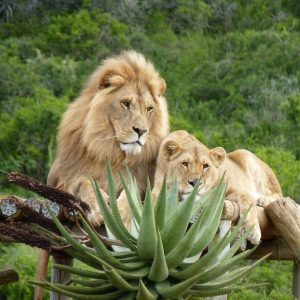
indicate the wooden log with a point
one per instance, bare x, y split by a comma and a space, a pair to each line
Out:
8, 275
278, 249
55, 208
9, 207
296, 280
41, 273
59, 276
285, 213
231, 211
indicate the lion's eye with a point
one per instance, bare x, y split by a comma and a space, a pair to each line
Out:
205, 166
126, 104
150, 108
185, 164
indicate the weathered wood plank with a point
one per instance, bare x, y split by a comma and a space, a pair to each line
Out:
296, 280
59, 276
41, 273
285, 213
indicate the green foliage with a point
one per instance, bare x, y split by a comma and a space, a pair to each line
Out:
286, 167
83, 35
24, 259
26, 133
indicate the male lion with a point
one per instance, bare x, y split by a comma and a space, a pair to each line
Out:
120, 116
251, 182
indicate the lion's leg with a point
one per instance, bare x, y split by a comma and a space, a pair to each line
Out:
83, 189
251, 222
124, 209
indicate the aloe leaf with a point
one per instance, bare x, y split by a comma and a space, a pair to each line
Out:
159, 270
90, 283
210, 219
135, 208
161, 206
226, 280
109, 219
123, 254
172, 197
128, 296
134, 274
118, 281
182, 287
205, 262
146, 245
86, 290
81, 272
144, 293
177, 224
64, 232
222, 268
53, 287
223, 291
236, 246
87, 258
133, 259
176, 290
113, 202
182, 249
103, 252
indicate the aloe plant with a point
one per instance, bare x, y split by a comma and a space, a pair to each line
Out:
156, 261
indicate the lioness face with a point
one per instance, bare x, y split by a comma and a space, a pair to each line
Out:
192, 162
131, 114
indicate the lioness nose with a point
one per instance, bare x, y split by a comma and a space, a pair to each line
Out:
193, 182
139, 131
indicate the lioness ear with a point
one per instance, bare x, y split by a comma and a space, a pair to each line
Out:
217, 155
172, 149
111, 80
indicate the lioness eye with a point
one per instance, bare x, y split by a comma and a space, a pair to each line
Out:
126, 104
185, 164
150, 108
205, 166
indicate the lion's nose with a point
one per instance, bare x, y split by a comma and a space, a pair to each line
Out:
139, 131
193, 182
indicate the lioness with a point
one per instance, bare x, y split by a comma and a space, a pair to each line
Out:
121, 115
251, 182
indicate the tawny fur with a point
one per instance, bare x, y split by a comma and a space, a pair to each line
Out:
99, 125
251, 182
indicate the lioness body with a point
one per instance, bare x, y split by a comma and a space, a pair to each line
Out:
251, 182
121, 116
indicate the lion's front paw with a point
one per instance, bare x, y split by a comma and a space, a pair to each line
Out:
264, 201
95, 218
255, 235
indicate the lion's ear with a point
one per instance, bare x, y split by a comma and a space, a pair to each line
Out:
217, 155
162, 87
172, 149
158, 86
111, 80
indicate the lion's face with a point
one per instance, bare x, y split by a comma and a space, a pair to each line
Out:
182, 154
127, 115
131, 114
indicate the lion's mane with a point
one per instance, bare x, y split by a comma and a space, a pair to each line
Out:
85, 135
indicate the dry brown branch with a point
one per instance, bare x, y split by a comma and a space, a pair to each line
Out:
47, 191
